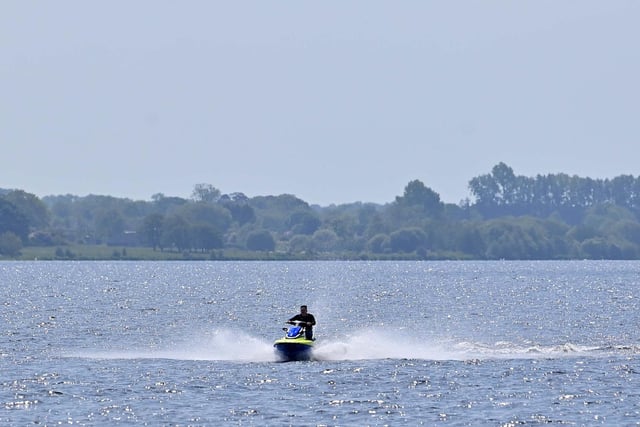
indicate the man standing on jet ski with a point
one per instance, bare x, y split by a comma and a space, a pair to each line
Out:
307, 320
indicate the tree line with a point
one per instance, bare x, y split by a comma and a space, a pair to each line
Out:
553, 216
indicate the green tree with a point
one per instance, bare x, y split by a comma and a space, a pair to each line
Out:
152, 229
345, 223
31, 206
623, 191
13, 220
204, 237
203, 213
407, 239
600, 248
303, 222
61, 209
507, 184
10, 244
485, 189
175, 233
273, 211
628, 230
260, 240
166, 205
325, 240
468, 240
379, 244
206, 193
241, 212
300, 243
109, 224
524, 238
376, 225
423, 199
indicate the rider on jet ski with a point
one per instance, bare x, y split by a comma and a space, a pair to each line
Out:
307, 320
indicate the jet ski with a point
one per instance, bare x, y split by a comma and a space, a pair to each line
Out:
294, 346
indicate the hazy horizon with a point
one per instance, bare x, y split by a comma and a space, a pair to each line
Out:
334, 103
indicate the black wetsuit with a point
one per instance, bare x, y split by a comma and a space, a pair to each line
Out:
305, 318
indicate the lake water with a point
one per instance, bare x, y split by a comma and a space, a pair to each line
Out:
398, 343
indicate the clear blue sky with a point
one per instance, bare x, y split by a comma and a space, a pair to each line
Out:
334, 102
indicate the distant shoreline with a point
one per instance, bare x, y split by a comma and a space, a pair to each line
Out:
114, 253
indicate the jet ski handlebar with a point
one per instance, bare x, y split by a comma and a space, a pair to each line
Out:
297, 322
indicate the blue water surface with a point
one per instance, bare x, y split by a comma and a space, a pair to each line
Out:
398, 343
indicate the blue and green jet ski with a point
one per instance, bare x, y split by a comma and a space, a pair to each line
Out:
293, 346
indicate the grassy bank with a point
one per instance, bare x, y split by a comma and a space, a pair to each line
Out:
104, 252
94, 252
